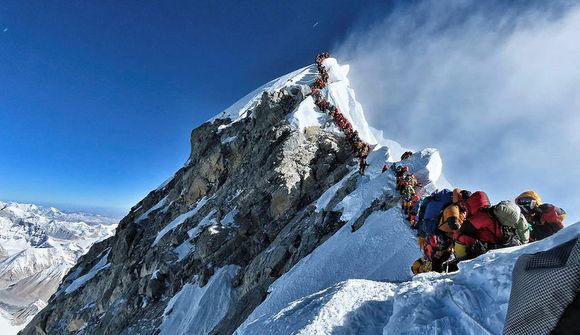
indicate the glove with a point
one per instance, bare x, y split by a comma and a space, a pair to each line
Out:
479, 248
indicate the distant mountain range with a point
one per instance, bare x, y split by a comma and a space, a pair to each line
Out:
38, 245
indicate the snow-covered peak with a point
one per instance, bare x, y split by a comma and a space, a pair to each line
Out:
44, 214
338, 92
242, 108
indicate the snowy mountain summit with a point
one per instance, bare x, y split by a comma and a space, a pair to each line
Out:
254, 235
38, 245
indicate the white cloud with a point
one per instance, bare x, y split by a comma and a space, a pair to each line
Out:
496, 88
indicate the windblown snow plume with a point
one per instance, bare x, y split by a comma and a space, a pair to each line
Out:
492, 84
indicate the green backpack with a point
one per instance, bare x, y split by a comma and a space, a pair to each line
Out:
509, 215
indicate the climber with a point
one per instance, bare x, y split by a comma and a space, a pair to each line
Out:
406, 155
479, 232
482, 230
430, 209
400, 174
355, 137
362, 165
545, 219
324, 76
318, 100
348, 127
348, 136
385, 168
319, 84
451, 219
453, 215
407, 196
408, 193
366, 149
513, 223
321, 56
322, 104
439, 250
412, 216
410, 179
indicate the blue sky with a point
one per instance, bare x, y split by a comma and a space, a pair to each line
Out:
98, 98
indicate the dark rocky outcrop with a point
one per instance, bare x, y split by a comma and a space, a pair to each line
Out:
266, 176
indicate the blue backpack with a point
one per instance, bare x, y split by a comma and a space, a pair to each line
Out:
435, 203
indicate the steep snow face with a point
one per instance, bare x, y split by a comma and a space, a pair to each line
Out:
196, 310
243, 107
339, 93
380, 250
354, 306
38, 246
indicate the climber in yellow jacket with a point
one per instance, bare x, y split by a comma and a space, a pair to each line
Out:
453, 215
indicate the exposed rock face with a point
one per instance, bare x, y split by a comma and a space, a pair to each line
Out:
244, 198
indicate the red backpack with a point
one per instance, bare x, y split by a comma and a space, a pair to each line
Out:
479, 224
552, 215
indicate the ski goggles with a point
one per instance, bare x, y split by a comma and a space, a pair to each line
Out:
529, 202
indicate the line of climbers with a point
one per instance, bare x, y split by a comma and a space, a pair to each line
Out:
457, 225
360, 148
452, 225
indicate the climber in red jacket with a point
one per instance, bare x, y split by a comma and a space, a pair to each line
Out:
478, 229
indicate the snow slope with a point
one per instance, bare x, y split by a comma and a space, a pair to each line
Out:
338, 92
473, 300
196, 310
355, 306
240, 109
38, 246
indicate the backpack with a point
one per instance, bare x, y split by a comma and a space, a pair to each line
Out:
437, 202
552, 214
509, 215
